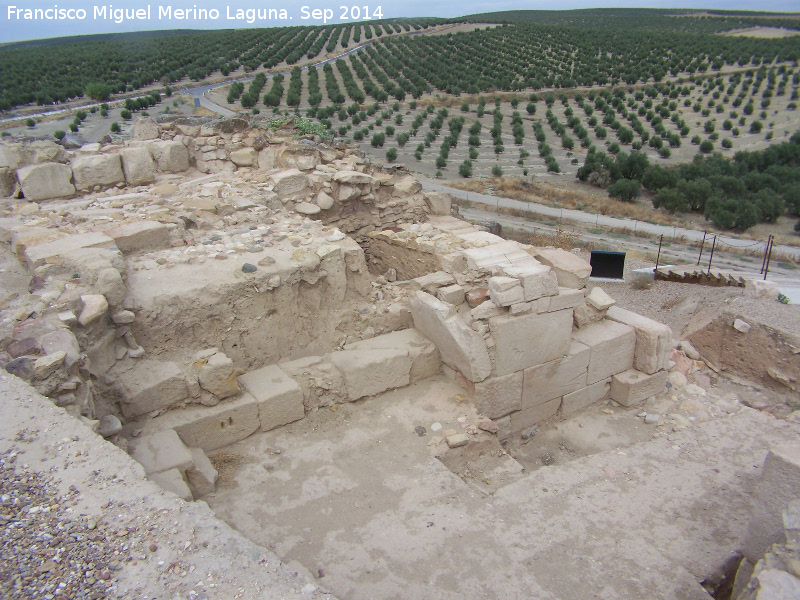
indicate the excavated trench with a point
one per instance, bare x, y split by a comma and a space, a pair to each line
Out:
505, 432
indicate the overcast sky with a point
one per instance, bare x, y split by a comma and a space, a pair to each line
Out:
14, 27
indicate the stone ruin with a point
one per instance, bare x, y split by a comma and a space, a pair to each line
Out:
208, 280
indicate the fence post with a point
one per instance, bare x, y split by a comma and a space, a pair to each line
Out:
702, 245
713, 245
658, 256
769, 256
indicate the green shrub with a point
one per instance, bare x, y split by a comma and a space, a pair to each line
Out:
625, 189
391, 154
114, 127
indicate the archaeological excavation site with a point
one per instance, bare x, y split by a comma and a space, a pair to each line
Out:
241, 361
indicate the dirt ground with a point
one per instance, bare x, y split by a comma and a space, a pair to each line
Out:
763, 32
599, 504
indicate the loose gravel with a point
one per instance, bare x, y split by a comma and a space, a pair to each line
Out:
44, 552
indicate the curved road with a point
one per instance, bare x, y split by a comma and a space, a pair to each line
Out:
198, 91
588, 219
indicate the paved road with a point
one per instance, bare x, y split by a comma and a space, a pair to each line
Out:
577, 216
202, 90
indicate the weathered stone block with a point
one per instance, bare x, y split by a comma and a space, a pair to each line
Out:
170, 156
556, 378
632, 386
566, 298
653, 339
201, 476
779, 485
46, 181
503, 253
137, 164
537, 280
406, 186
486, 310
161, 451
439, 203
585, 314
216, 373
8, 181
523, 419
370, 372
140, 235
422, 352
94, 307
289, 182
279, 397
459, 346
145, 128
528, 340
267, 158
148, 386
213, 427
572, 271
452, 294
354, 178
496, 397
172, 481
50, 252
246, 157
612, 345
505, 291
585, 397
599, 300
431, 282
102, 170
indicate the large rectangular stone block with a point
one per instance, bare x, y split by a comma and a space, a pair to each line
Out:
170, 156
779, 485
102, 170
161, 451
580, 399
632, 386
486, 257
505, 291
279, 397
140, 235
612, 345
370, 372
572, 271
566, 298
497, 397
213, 427
49, 252
556, 378
528, 340
172, 481
201, 476
653, 339
459, 346
537, 280
422, 352
150, 385
137, 164
523, 419
46, 181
